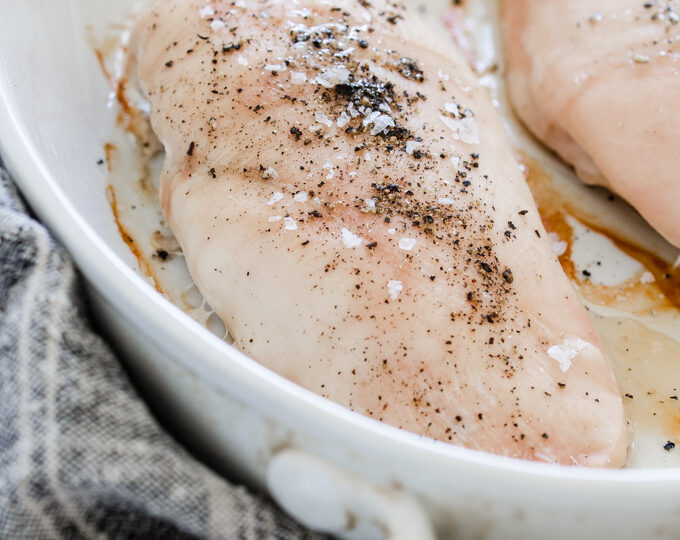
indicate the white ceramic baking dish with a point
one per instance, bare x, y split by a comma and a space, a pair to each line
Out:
332, 469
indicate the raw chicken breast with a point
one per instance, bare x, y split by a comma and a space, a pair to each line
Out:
599, 82
348, 203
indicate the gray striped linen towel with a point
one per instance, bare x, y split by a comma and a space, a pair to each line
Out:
80, 454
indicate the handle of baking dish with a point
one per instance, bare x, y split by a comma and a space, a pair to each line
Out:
328, 499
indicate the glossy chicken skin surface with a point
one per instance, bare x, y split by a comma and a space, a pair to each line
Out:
599, 82
348, 203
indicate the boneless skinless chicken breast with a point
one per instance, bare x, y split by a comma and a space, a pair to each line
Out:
350, 206
599, 82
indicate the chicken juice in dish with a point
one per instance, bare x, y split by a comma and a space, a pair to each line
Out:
349, 204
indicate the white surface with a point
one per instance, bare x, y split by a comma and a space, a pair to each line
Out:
53, 122
590, 249
333, 501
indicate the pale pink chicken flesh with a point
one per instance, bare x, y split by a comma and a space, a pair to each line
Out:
350, 206
599, 82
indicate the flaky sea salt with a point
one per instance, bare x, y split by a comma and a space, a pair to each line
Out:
451, 108
206, 11
298, 77
275, 67
333, 76
407, 244
567, 351
370, 117
465, 129
343, 120
290, 224
275, 198
411, 146
350, 239
217, 24
394, 287
381, 124
323, 119
345, 53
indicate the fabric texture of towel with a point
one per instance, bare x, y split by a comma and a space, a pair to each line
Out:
80, 454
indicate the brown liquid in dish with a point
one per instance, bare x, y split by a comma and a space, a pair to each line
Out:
110, 151
555, 210
132, 121
129, 240
644, 359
